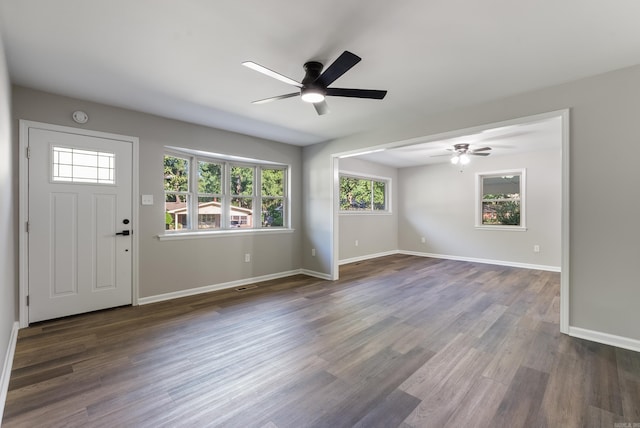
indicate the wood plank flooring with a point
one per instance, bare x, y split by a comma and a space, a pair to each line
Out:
399, 341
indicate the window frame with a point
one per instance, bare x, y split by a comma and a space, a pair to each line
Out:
56, 163
369, 177
226, 195
479, 194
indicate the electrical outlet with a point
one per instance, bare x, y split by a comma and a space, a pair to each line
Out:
423, 240
536, 248
247, 258
313, 252
356, 242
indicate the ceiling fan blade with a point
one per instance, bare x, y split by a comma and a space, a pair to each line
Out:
481, 149
264, 70
478, 154
357, 93
279, 97
322, 107
439, 156
338, 68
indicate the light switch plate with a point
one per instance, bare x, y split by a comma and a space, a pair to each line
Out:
147, 199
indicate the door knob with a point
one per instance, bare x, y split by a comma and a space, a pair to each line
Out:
124, 233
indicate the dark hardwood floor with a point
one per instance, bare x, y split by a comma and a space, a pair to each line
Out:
399, 341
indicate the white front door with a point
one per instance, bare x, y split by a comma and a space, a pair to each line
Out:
80, 220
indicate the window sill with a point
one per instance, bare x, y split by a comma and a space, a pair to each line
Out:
507, 228
222, 233
365, 212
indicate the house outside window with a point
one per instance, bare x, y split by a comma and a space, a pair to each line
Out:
500, 200
225, 195
364, 194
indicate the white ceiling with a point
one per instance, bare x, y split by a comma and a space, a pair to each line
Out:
537, 135
182, 59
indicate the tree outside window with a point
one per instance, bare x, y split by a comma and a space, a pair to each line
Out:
363, 194
241, 190
272, 203
176, 190
203, 193
501, 199
210, 196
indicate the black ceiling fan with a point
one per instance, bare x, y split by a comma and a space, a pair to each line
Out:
314, 87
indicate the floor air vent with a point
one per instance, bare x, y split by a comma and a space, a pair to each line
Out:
246, 287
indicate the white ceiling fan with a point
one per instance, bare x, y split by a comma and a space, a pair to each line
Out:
463, 151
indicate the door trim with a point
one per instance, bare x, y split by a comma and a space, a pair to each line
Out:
23, 206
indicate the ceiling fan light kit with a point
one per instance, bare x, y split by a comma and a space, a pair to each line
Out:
462, 159
315, 85
462, 153
312, 95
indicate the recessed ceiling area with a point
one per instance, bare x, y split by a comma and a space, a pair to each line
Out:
183, 59
539, 135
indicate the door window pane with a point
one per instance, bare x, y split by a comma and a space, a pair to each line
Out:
82, 166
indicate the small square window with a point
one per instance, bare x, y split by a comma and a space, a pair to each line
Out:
500, 199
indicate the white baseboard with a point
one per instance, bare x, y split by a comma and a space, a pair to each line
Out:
315, 274
367, 257
6, 369
605, 338
485, 261
216, 287
325, 276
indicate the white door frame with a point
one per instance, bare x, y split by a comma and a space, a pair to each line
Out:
23, 216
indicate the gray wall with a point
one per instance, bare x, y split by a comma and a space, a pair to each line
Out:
173, 266
438, 202
375, 233
604, 246
8, 215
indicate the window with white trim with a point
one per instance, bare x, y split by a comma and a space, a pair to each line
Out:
500, 199
364, 193
205, 193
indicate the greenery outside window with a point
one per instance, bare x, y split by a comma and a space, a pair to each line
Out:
242, 197
272, 203
360, 194
210, 196
204, 193
176, 192
500, 200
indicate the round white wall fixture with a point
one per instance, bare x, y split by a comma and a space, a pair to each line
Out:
80, 117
